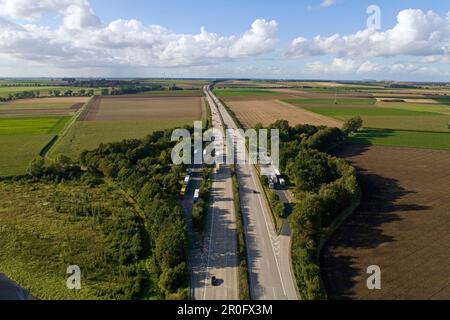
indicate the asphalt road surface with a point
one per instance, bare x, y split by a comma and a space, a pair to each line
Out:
270, 270
219, 256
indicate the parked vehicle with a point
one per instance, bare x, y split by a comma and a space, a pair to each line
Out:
196, 195
183, 192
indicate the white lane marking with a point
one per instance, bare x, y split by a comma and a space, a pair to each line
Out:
209, 248
261, 204
269, 233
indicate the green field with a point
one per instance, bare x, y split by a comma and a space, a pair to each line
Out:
343, 113
399, 138
17, 151
32, 126
406, 118
22, 139
435, 108
39, 240
244, 92
445, 101
88, 135
355, 101
18, 106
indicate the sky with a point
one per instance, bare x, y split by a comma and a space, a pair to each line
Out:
405, 40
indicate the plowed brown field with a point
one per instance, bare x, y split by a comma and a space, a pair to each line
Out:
144, 108
402, 225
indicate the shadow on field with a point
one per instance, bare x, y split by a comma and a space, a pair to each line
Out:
364, 229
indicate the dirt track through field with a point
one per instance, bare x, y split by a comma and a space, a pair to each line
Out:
402, 225
143, 108
267, 112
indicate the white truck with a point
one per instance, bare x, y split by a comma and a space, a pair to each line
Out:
196, 195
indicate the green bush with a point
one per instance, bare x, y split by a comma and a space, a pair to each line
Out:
174, 278
277, 205
311, 169
325, 139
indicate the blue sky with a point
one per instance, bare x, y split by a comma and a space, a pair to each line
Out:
230, 17
251, 38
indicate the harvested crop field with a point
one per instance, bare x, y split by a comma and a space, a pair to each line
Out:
267, 112
88, 135
113, 119
143, 108
42, 107
402, 225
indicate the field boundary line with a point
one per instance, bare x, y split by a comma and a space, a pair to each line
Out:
67, 128
331, 230
312, 114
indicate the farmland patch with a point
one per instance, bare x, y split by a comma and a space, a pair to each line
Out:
403, 138
402, 226
139, 108
266, 112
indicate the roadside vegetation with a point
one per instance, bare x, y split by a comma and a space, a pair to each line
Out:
201, 206
244, 285
125, 197
324, 187
47, 226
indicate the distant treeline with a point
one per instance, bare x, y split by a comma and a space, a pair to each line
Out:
62, 92
51, 93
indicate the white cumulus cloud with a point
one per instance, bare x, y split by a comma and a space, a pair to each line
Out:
417, 33
327, 3
83, 41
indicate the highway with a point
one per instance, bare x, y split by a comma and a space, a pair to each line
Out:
268, 254
219, 256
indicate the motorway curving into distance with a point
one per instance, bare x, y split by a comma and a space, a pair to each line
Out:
268, 254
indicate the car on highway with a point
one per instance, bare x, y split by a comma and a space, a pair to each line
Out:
214, 281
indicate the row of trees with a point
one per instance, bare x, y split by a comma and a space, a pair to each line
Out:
21, 95
318, 207
200, 208
51, 93
72, 93
143, 168
130, 89
324, 186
